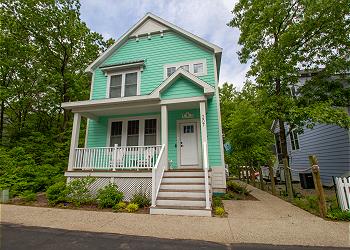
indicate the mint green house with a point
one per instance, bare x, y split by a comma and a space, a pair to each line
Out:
154, 119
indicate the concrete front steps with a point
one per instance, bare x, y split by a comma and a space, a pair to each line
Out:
182, 192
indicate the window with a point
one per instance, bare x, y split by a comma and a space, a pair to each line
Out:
133, 133
123, 84
150, 132
116, 133
170, 71
130, 84
294, 140
115, 86
186, 67
188, 129
198, 68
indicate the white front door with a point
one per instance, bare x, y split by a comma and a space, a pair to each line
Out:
188, 144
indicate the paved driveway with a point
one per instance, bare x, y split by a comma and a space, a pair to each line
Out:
38, 238
269, 221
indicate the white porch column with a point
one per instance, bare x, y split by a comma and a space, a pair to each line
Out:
202, 109
164, 126
74, 140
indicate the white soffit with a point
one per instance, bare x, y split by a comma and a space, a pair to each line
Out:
150, 26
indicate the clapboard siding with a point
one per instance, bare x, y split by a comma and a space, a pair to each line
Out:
157, 51
182, 88
330, 144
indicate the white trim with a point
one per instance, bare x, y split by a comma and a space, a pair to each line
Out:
123, 67
134, 174
183, 100
124, 121
86, 133
92, 84
208, 89
126, 35
178, 142
165, 131
123, 74
219, 113
74, 140
190, 64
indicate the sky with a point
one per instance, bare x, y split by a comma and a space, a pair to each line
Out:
204, 18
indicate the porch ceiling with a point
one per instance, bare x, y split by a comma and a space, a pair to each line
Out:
96, 108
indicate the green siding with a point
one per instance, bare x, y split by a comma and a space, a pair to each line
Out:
158, 51
182, 88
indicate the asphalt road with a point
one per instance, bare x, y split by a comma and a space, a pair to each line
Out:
17, 237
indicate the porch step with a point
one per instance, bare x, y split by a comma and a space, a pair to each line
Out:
183, 174
183, 179
181, 203
176, 210
185, 170
182, 186
181, 193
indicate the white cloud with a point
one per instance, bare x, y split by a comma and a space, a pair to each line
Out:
205, 18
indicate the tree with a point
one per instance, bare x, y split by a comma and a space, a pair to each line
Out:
281, 38
244, 126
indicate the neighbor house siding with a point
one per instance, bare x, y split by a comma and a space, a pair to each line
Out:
331, 146
157, 51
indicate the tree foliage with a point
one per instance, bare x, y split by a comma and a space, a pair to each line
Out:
44, 50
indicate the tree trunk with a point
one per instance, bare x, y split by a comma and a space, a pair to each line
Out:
283, 141
272, 177
261, 178
2, 107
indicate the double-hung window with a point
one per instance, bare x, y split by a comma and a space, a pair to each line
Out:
132, 138
123, 84
150, 136
116, 133
294, 140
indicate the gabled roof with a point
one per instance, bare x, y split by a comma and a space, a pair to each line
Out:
207, 89
217, 50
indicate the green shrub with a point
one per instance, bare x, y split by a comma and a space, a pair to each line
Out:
132, 207
141, 199
57, 193
28, 196
220, 211
237, 188
338, 214
109, 196
312, 201
217, 202
78, 191
120, 206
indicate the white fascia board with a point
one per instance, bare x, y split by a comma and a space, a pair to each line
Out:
208, 89
108, 101
126, 35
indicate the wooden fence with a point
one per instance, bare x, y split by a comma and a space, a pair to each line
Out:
343, 192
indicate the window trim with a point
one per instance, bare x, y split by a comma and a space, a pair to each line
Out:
123, 73
125, 128
191, 67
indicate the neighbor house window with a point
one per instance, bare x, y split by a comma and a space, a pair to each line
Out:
294, 140
133, 133
123, 84
197, 67
116, 133
150, 132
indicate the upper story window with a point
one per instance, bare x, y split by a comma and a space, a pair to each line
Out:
123, 84
294, 140
197, 67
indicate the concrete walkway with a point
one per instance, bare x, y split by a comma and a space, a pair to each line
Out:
269, 220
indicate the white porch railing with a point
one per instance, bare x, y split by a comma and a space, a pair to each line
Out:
206, 177
343, 192
157, 174
114, 158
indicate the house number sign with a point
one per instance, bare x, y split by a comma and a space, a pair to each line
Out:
203, 120
187, 115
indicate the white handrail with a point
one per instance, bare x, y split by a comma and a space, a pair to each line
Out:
206, 177
157, 174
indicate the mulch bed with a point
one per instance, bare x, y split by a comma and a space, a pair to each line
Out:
41, 201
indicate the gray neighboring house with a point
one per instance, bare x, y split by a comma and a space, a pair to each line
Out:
330, 143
